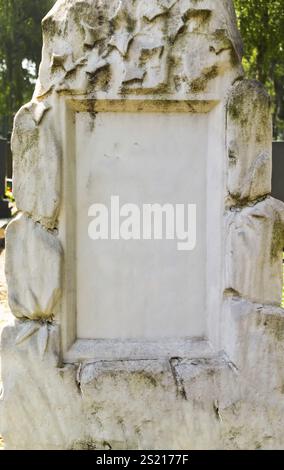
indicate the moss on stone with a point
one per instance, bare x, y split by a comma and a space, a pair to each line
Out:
100, 79
234, 109
200, 83
202, 15
49, 27
274, 325
85, 444
248, 99
131, 24
277, 240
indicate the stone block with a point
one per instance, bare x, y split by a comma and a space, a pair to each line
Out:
37, 163
33, 269
254, 251
249, 141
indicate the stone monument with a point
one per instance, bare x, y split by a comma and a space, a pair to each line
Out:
131, 343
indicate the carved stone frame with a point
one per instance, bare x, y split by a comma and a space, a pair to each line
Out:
74, 350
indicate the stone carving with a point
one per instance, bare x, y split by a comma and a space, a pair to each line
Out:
166, 52
176, 47
253, 336
51, 392
34, 288
29, 329
255, 243
204, 408
249, 145
36, 165
162, 49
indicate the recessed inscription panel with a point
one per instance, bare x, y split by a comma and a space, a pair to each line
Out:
139, 287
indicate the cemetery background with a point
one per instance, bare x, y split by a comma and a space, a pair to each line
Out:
277, 129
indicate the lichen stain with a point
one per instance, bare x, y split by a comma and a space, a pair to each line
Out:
249, 101
146, 378
200, 84
100, 80
273, 324
277, 243
91, 444
49, 27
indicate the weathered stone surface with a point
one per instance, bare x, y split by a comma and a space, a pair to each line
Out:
40, 403
255, 240
206, 403
249, 141
253, 338
37, 163
132, 48
33, 269
179, 56
131, 423
184, 419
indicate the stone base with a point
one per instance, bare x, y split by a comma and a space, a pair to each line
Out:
164, 403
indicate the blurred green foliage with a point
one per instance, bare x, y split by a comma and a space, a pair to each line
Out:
262, 28
20, 51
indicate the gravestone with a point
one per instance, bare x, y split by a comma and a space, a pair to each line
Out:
278, 171
5, 210
143, 341
9, 160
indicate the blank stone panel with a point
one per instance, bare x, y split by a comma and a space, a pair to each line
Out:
140, 288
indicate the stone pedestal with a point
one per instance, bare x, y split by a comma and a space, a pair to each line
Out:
5, 211
133, 344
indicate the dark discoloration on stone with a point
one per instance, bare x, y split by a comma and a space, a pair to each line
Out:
248, 96
277, 244
101, 78
200, 83
272, 324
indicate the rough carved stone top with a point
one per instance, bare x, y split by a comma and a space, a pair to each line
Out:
173, 49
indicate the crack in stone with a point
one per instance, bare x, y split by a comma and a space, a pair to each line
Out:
179, 383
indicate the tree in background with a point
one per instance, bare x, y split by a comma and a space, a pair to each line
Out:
262, 27
20, 52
